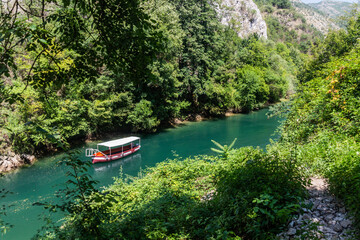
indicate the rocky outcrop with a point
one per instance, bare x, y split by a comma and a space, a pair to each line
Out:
325, 217
243, 16
13, 161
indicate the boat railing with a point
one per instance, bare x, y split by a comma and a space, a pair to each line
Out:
89, 152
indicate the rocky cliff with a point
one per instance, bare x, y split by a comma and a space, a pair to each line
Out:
243, 16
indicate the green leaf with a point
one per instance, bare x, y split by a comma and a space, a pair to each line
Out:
232, 144
43, 41
218, 144
216, 150
33, 27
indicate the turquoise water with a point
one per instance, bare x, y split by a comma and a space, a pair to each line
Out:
39, 182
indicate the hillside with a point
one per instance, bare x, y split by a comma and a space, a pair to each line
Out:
142, 75
332, 8
315, 17
286, 24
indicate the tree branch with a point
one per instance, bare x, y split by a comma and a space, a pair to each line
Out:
30, 70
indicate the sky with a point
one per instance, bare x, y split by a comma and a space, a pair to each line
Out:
316, 1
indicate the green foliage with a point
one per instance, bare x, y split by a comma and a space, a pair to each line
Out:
281, 109
247, 195
141, 116
283, 4
322, 129
202, 50
344, 179
251, 87
260, 192
223, 150
335, 45
328, 101
81, 70
83, 204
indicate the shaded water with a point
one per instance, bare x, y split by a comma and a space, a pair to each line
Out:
40, 181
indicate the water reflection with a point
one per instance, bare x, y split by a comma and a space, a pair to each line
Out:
132, 161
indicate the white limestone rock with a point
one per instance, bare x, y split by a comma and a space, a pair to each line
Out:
291, 232
13, 161
345, 223
243, 16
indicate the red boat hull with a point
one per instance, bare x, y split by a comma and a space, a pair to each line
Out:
108, 158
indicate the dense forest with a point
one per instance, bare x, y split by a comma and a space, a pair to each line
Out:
76, 69
79, 69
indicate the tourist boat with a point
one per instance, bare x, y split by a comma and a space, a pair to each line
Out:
113, 150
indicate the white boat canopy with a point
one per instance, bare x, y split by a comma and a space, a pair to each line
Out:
119, 142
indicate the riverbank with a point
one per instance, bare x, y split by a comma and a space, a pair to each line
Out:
11, 161
190, 197
14, 161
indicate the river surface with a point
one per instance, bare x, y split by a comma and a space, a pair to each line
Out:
39, 182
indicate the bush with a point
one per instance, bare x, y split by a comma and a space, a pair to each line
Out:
258, 192
141, 117
248, 194
323, 125
344, 179
252, 88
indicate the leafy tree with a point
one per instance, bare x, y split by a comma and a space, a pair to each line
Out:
141, 116
201, 48
252, 88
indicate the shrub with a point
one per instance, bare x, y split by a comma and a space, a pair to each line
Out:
250, 193
252, 88
258, 192
141, 117
344, 179
323, 125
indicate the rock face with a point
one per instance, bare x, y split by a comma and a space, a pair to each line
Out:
13, 161
243, 16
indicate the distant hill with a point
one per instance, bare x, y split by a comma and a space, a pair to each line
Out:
315, 17
332, 8
317, 1
285, 23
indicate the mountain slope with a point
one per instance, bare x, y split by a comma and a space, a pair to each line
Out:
332, 8
287, 25
315, 16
